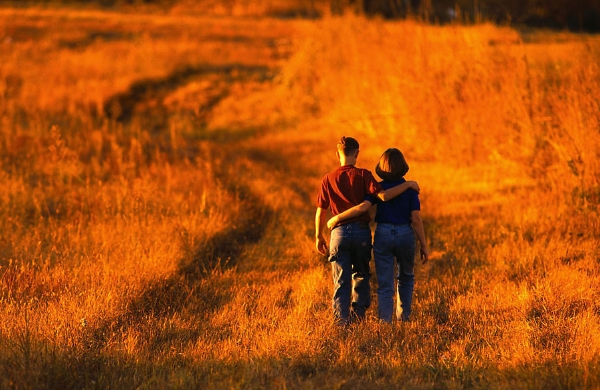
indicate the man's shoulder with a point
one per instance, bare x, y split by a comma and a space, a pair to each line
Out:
349, 170
338, 171
359, 171
330, 174
368, 175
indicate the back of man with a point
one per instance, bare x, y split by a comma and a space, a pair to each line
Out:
350, 243
346, 187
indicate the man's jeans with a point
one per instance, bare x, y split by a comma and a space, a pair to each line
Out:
394, 243
350, 254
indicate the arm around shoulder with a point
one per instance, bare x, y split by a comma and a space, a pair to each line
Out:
393, 192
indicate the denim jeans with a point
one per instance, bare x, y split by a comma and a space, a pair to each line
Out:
350, 254
394, 244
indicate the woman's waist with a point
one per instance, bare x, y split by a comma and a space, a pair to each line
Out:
394, 224
392, 218
394, 228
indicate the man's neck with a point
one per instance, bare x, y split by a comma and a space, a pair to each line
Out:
347, 161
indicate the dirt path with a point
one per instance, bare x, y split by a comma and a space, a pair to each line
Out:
260, 169
146, 98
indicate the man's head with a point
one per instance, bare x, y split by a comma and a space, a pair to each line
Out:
392, 165
348, 147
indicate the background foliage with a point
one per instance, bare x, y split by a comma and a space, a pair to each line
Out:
575, 15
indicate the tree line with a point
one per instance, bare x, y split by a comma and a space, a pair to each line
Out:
575, 15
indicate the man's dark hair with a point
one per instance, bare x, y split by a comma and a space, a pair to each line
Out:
347, 146
392, 165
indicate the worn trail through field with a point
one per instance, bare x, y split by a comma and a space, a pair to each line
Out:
249, 170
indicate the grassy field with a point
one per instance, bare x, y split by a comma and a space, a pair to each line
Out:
158, 178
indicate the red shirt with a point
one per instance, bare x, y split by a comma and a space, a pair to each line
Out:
345, 188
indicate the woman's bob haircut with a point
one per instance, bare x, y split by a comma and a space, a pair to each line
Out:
392, 165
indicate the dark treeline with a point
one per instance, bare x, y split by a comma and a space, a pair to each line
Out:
575, 15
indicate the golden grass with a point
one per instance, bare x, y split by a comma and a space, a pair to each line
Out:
157, 184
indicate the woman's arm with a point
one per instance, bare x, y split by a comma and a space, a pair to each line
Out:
350, 213
417, 223
393, 192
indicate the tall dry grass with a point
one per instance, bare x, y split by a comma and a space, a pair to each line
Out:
464, 95
158, 179
503, 130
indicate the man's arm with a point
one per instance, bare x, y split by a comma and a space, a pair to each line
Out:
417, 223
319, 227
393, 192
350, 213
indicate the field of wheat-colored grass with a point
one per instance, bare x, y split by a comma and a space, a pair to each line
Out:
158, 177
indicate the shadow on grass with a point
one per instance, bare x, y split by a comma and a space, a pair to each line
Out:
96, 37
121, 370
144, 98
96, 357
171, 295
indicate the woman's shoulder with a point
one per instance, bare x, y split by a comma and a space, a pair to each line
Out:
389, 184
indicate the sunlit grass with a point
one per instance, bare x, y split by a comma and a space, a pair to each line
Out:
168, 241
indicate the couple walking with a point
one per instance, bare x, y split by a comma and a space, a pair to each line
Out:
349, 192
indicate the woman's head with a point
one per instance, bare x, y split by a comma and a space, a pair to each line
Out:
392, 166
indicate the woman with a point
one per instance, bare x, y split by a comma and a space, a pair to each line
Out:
398, 220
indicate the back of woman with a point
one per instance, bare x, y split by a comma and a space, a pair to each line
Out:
394, 245
399, 209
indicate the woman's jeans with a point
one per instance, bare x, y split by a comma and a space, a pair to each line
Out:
394, 244
350, 254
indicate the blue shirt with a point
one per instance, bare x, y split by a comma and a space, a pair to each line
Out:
399, 209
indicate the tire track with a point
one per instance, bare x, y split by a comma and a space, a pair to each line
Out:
144, 99
163, 298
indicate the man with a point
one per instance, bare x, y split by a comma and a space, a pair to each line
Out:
350, 242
